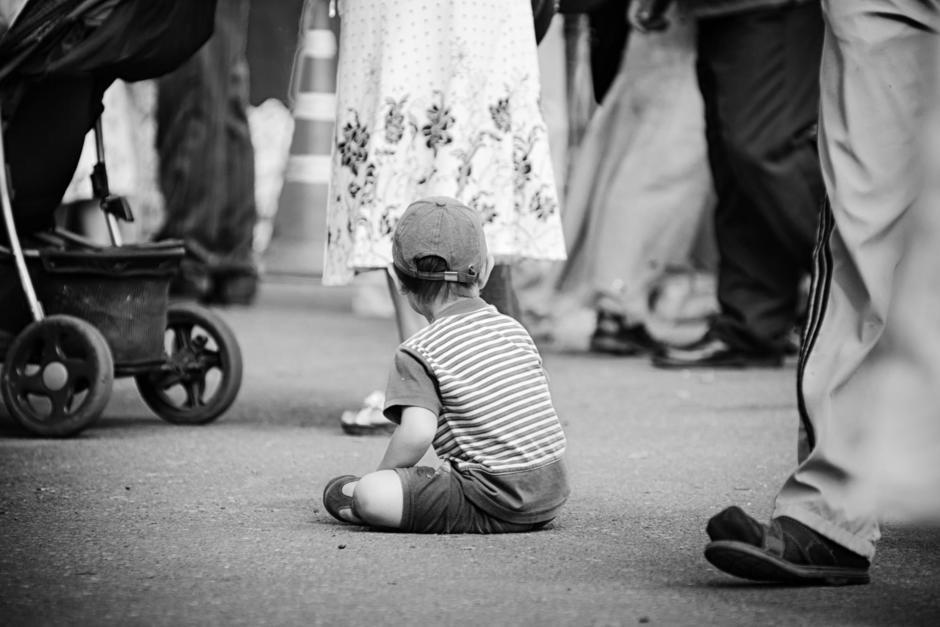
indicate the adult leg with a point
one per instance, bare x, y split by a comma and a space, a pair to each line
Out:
206, 172
43, 142
42, 145
767, 107
370, 417
869, 364
236, 279
875, 92
408, 320
759, 81
500, 293
190, 145
190, 130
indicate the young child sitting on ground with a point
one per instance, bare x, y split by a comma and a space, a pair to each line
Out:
472, 384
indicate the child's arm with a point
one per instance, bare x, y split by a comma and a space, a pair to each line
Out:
411, 439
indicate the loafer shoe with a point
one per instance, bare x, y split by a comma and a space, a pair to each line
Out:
712, 352
784, 552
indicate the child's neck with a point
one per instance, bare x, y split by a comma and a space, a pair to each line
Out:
432, 310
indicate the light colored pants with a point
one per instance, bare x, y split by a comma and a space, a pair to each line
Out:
869, 376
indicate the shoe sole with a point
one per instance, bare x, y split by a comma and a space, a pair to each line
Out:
750, 562
740, 364
354, 429
612, 347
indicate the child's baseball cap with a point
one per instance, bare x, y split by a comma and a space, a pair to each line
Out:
440, 227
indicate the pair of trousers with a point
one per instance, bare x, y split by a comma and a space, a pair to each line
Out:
204, 144
758, 74
43, 141
870, 365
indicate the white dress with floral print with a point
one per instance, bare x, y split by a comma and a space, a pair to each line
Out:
438, 97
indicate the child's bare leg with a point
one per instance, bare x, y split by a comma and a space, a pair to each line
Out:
378, 499
409, 321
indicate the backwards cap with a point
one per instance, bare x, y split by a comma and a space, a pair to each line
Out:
440, 227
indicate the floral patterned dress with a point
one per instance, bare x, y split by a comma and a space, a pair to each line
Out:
438, 97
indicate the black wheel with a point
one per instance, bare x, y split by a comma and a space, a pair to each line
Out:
203, 370
57, 376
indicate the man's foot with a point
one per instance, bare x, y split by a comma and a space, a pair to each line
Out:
233, 288
713, 352
338, 498
612, 335
786, 552
192, 282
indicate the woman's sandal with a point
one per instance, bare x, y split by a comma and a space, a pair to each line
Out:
368, 420
337, 503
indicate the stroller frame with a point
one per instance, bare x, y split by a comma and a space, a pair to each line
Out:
19, 259
65, 361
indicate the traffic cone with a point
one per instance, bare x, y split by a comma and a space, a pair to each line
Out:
299, 235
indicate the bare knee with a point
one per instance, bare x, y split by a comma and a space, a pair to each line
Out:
378, 499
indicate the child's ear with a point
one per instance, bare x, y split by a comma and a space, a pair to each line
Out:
485, 275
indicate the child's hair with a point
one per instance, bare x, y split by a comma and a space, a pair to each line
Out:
426, 291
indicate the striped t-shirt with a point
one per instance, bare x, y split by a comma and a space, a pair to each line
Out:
496, 421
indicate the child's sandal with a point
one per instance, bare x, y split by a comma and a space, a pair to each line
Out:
338, 504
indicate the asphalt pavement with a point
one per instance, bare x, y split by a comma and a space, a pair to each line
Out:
139, 522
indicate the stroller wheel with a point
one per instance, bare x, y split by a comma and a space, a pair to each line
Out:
57, 376
203, 370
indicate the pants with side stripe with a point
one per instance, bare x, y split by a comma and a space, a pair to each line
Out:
869, 375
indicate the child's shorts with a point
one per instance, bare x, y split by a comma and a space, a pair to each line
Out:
434, 502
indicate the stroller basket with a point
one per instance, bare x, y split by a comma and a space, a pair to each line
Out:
122, 291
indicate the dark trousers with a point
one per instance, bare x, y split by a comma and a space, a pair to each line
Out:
204, 144
42, 146
759, 77
43, 141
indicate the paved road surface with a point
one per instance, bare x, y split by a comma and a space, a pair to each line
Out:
138, 522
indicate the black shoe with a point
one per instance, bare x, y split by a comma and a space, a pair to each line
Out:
786, 551
612, 335
712, 352
233, 289
192, 282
